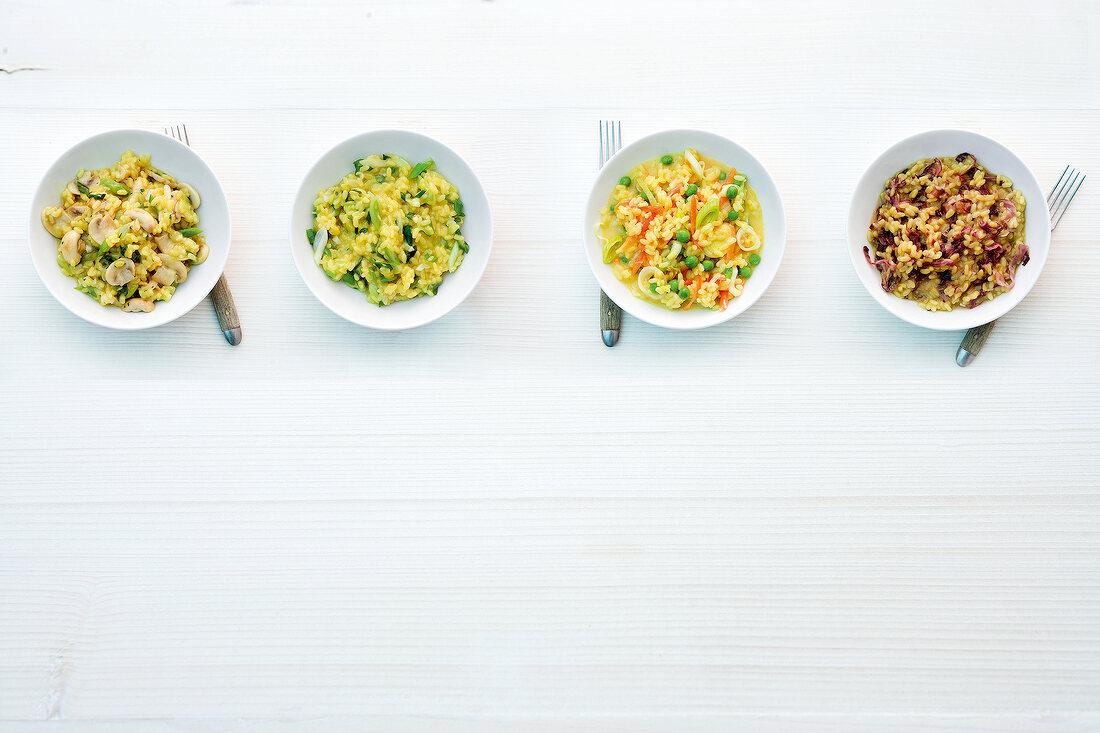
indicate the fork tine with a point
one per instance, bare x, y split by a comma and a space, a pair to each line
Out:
619, 144
1065, 206
1063, 192
186, 137
601, 144
1057, 194
1058, 183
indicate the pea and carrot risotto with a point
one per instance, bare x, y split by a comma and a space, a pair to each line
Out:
390, 229
947, 233
683, 231
127, 234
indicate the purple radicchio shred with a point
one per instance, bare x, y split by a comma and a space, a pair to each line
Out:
1008, 208
1022, 257
883, 265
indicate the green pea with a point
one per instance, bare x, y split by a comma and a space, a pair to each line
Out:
623, 259
611, 208
666, 159
728, 272
732, 216
708, 265
731, 192
653, 287
745, 271
691, 190
691, 261
683, 235
685, 293
624, 181
754, 259
722, 176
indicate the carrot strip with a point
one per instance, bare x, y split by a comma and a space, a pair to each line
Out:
637, 263
696, 285
724, 299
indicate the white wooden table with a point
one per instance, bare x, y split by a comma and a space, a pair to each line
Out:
808, 519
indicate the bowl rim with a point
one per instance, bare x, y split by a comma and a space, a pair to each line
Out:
357, 318
935, 320
651, 313
141, 321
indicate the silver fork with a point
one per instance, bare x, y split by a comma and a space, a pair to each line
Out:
222, 299
1058, 201
611, 315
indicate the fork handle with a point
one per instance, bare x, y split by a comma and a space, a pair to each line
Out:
972, 343
226, 311
611, 320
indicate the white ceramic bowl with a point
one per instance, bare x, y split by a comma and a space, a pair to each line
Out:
477, 228
994, 157
712, 146
174, 158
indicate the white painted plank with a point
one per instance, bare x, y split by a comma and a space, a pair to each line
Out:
495, 523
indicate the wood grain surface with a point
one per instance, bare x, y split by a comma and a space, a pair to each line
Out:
807, 519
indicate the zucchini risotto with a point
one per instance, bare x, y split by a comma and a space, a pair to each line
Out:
390, 229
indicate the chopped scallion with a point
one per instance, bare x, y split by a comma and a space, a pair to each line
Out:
421, 167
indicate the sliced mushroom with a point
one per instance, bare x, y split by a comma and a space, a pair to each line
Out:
71, 247
174, 265
119, 272
203, 253
164, 242
192, 194
138, 305
144, 219
156, 176
55, 220
76, 210
89, 179
164, 276
99, 227
71, 188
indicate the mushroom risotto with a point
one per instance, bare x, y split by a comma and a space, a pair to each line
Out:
390, 229
947, 233
127, 234
683, 230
